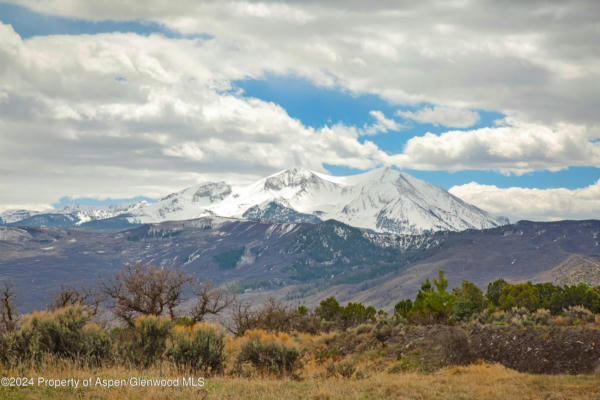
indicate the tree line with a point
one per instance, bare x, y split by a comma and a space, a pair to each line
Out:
434, 303
146, 290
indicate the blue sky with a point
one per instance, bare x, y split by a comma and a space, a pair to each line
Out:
317, 106
28, 23
553, 118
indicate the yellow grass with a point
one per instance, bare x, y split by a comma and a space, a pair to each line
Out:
374, 378
483, 381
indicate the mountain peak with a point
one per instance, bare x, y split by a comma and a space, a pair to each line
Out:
290, 177
212, 190
385, 173
294, 171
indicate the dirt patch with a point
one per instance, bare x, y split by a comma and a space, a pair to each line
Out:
433, 346
541, 350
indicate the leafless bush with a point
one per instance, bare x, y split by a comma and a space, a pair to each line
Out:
272, 316
8, 311
87, 298
141, 289
210, 301
242, 318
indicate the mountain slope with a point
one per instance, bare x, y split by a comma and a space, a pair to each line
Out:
257, 255
563, 252
575, 268
302, 262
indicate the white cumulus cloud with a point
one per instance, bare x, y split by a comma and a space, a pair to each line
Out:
515, 148
445, 116
533, 204
381, 125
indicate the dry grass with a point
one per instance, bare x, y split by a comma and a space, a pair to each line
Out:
483, 381
373, 379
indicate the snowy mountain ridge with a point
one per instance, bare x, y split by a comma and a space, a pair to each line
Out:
381, 200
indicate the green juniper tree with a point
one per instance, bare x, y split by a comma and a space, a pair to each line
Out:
434, 306
469, 300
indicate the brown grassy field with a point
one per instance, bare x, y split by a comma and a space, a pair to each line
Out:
365, 372
482, 381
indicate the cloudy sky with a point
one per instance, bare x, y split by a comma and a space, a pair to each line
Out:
496, 101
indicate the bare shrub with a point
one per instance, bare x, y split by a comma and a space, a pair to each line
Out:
275, 316
87, 298
242, 318
8, 311
272, 316
210, 301
141, 289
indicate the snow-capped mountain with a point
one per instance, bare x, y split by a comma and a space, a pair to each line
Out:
10, 216
110, 217
84, 213
382, 200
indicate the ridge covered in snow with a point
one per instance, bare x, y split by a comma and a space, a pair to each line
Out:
381, 200
11, 216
